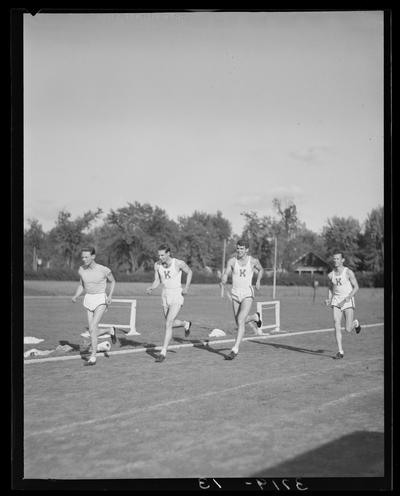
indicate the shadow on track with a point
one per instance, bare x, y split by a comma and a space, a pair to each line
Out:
359, 454
294, 348
83, 349
131, 342
202, 346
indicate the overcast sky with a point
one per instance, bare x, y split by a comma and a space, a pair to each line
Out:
204, 111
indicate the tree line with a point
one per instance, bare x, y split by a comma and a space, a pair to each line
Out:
127, 238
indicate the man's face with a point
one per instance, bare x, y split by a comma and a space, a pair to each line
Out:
87, 258
163, 256
338, 260
241, 251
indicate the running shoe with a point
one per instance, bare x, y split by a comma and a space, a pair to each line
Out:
259, 321
231, 355
91, 361
160, 358
338, 355
114, 336
356, 326
188, 325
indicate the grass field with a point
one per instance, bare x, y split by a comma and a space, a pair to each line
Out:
283, 408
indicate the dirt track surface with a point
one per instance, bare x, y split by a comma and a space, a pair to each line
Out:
283, 408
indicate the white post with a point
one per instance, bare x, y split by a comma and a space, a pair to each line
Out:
275, 256
132, 322
223, 267
277, 315
34, 261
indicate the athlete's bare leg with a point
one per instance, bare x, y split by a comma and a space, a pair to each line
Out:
94, 331
170, 314
337, 318
241, 316
349, 318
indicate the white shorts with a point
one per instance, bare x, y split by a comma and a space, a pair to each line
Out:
337, 299
92, 301
172, 297
239, 294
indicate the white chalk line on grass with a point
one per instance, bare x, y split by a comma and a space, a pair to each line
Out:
202, 342
351, 396
66, 297
201, 396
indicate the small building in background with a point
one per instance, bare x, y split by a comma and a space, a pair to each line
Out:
310, 263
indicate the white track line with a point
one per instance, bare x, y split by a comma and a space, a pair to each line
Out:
66, 297
190, 345
134, 411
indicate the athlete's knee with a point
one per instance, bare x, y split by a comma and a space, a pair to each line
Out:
338, 326
241, 320
169, 322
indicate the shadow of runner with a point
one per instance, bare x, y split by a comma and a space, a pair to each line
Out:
135, 344
359, 454
75, 347
83, 349
200, 344
293, 348
153, 353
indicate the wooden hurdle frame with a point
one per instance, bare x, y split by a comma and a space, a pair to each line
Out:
132, 318
277, 305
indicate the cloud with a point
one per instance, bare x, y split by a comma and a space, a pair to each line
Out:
264, 201
312, 155
290, 191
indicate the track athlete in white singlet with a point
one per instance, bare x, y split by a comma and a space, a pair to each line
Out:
242, 267
168, 272
342, 287
93, 280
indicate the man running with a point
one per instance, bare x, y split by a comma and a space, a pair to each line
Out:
242, 267
168, 272
342, 287
93, 280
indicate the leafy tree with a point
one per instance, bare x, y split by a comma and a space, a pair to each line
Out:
134, 232
201, 239
69, 235
343, 235
34, 240
260, 232
304, 241
373, 240
288, 222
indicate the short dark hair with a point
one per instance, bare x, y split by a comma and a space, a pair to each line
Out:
90, 249
338, 253
242, 242
164, 247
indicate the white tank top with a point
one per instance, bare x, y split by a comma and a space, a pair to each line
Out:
242, 276
170, 276
94, 278
341, 283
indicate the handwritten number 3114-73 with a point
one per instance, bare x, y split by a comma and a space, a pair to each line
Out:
263, 484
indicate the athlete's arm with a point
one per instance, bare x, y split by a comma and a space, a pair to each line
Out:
111, 280
354, 283
260, 273
78, 291
185, 268
227, 271
156, 281
330, 287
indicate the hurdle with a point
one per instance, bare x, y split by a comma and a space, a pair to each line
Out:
132, 318
277, 305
